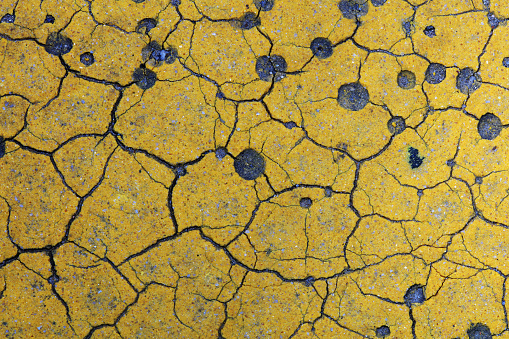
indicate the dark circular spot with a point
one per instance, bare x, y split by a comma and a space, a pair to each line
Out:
58, 44
406, 79
352, 9
478, 180
378, 3
468, 81
383, 331
53, 279
145, 25
50, 19
2, 147
429, 31
87, 58
489, 126
353, 96
450, 163
414, 159
396, 125
309, 281
479, 331
435, 73
8, 18
264, 5
420, 193
180, 171
493, 21
175, 3
306, 202
328, 192
138, 1
221, 152
290, 124
144, 78
271, 67
249, 164
321, 48
505, 62
414, 295
249, 20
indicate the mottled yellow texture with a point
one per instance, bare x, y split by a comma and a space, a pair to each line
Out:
254, 169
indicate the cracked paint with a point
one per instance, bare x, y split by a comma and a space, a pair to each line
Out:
254, 169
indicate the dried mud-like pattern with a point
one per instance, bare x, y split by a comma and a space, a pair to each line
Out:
252, 169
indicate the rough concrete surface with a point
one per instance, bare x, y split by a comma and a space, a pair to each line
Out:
254, 169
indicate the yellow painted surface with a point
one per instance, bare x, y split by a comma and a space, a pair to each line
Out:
254, 169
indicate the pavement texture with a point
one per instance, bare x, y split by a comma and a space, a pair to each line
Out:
254, 169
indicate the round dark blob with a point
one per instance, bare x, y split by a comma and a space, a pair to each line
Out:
50, 19
420, 193
221, 152
144, 78
87, 58
306, 202
414, 159
406, 79
264, 5
378, 3
468, 81
8, 18
271, 67
145, 25
249, 20
352, 9
383, 331
353, 96
489, 126
328, 192
435, 73
2, 147
493, 21
429, 31
414, 295
450, 163
478, 180
249, 164
175, 3
396, 125
180, 171
53, 279
58, 44
138, 1
505, 62
290, 124
479, 331
321, 48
